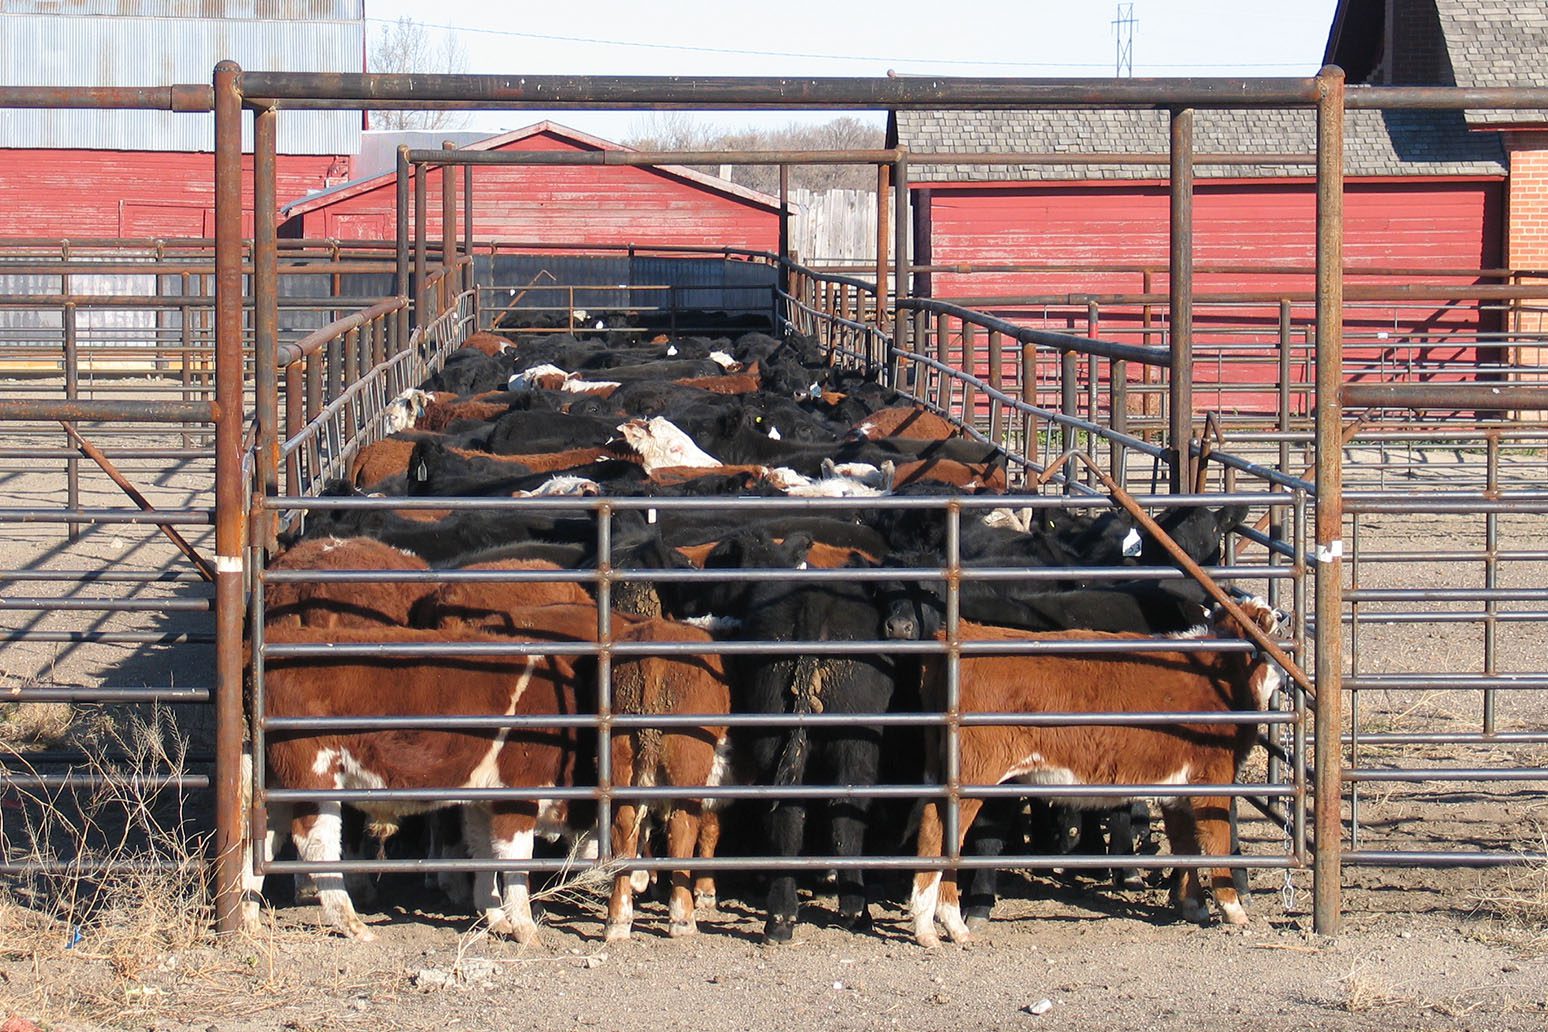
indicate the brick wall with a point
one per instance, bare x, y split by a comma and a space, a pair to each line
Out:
1526, 238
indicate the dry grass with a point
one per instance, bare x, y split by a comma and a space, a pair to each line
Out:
121, 882
1516, 904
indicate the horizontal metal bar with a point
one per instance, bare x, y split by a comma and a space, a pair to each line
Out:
377, 91
1478, 396
627, 721
102, 576
169, 696
1489, 738
181, 454
108, 411
110, 637
114, 605
1433, 858
141, 780
1138, 354
1444, 98
1446, 594
114, 516
788, 863
968, 647
698, 505
182, 97
1445, 502
458, 796
1369, 774
1451, 682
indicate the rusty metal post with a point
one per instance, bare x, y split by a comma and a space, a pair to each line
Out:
1327, 862
72, 361
1180, 287
900, 286
883, 182
420, 219
228, 498
265, 322
400, 284
467, 212
1069, 406
448, 213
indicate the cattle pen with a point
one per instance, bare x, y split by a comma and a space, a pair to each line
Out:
249, 388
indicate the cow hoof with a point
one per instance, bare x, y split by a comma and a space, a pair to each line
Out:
1233, 913
252, 916
706, 901
682, 929
1194, 911
778, 931
357, 930
929, 940
860, 922
1130, 881
977, 918
617, 932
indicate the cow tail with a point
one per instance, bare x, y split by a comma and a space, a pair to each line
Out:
805, 686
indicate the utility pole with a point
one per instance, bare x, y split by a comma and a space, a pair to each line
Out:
1123, 31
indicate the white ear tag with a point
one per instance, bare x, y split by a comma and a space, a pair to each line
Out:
421, 474
1133, 544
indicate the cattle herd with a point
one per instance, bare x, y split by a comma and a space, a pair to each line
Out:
561, 415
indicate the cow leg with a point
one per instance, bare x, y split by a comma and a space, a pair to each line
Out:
682, 837
787, 831
849, 819
1214, 829
704, 895
1120, 842
626, 839
949, 908
935, 892
510, 838
260, 851
990, 833
927, 884
317, 830
1182, 833
1238, 874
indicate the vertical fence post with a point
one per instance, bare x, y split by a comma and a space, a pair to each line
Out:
448, 223
900, 285
1180, 285
1069, 407
420, 216
72, 361
228, 497
883, 177
265, 322
1327, 863
467, 214
400, 285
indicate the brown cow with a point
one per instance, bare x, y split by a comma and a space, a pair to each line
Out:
682, 756
438, 415
905, 421
487, 343
359, 604
381, 460
421, 686
485, 606
1177, 754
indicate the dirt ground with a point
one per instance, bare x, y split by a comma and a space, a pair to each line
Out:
1421, 948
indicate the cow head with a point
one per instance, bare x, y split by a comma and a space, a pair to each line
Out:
1264, 675
911, 610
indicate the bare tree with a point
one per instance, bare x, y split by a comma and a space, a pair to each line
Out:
677, 130
407, 46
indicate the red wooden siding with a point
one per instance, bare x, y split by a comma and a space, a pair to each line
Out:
83, 193
1414, 224
563, 204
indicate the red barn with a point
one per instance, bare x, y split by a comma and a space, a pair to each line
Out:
1429, 192
85, 173
575, 204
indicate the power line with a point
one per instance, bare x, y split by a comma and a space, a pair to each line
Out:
592, 41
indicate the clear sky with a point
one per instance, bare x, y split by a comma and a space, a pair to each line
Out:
1039, 38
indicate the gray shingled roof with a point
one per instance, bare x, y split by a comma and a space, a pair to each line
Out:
1376, 143
1497, 43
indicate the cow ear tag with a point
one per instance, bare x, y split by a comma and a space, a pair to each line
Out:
1133, 544
421, 474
